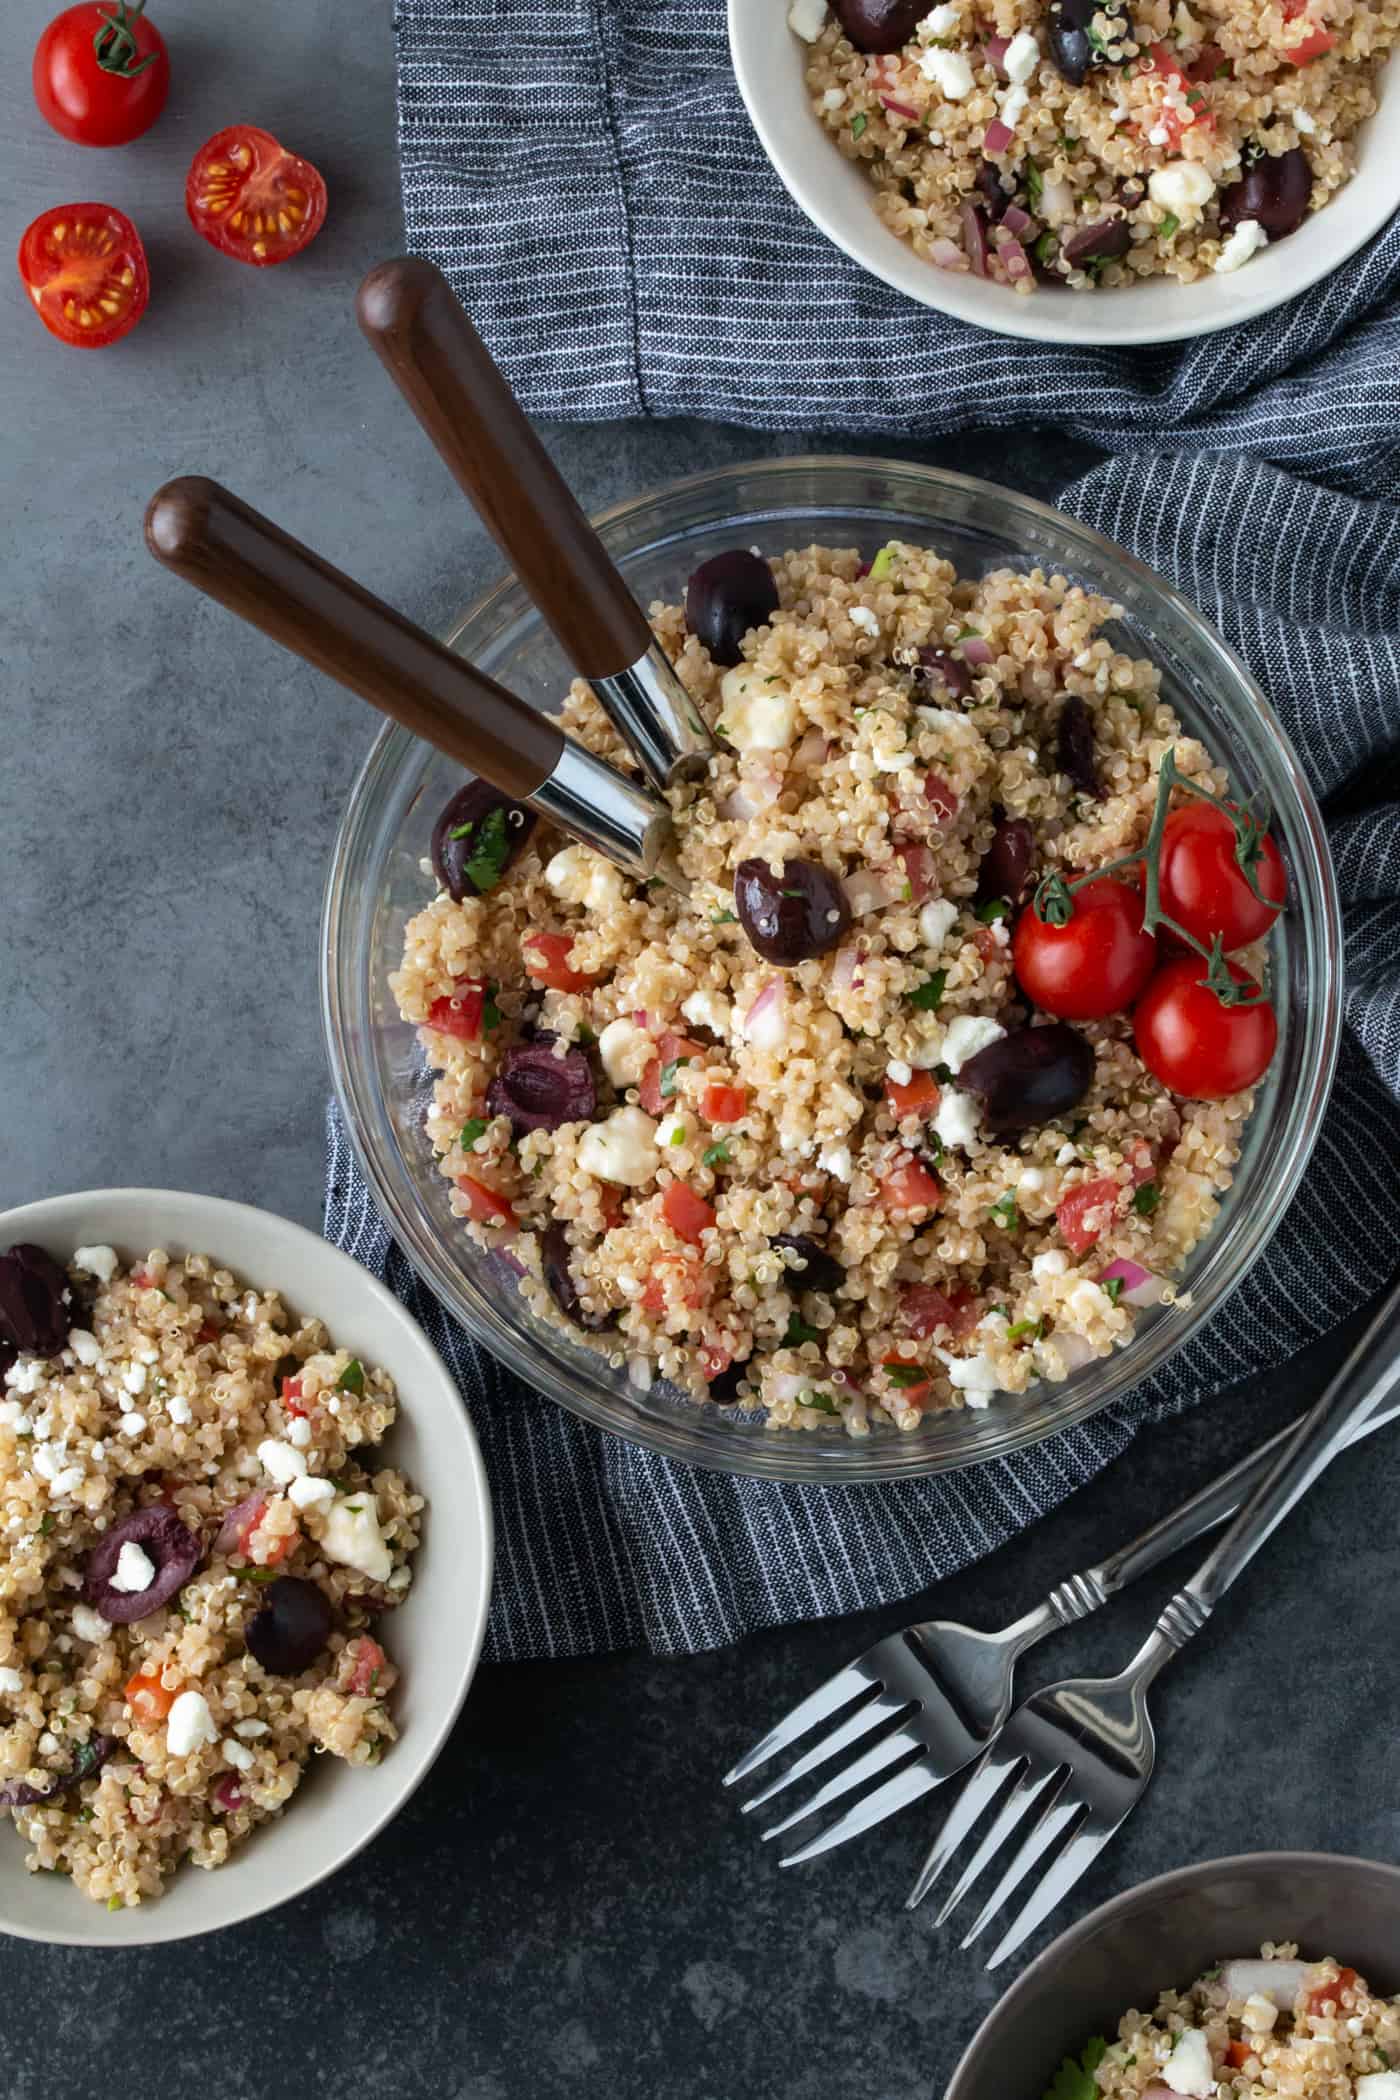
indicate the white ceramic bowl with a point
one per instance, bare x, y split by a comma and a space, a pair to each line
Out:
770, 63
436, 1634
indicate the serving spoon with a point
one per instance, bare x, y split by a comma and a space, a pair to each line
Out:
211, 538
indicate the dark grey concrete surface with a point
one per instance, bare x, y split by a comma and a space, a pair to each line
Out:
570, 1906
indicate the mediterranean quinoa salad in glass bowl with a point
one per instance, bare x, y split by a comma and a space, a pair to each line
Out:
196, 1559
1277, 2025
1095, 143
937, 1074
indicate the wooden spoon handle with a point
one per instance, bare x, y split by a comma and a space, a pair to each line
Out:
449, 379
233, 554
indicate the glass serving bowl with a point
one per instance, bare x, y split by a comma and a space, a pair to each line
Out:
377, 883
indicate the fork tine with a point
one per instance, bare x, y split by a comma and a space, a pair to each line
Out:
979, 1793
1062, 1809
1078, 1856
1016, 1808
887, 1800
884, 1706
837, 1692
891, 1749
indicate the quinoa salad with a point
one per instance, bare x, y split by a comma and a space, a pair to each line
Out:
801, 1141
1300, 2030
1095, 142
198, 1553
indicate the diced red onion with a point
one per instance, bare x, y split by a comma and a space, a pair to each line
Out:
845, 969
1278, 1981
1140, 1286
976, 651
235, 1523
1015, 261
765, 1023
1056, 199
812, 749
974, 227
1019, 222
738, 807
947, 255
997, 137
1075, 1349
996, 48
639, 1015
900, 109
228, 1795
867, 891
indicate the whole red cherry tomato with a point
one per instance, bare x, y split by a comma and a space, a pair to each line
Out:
1202, 885
252, 199
102, 73
85, 269
1094, 965
1194, 1044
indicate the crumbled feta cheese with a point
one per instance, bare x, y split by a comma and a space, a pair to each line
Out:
299, 1432
625, 1051
26, 1376
135, 1570
178, 1408
1158, 135
620, 1149
85, 1346
49, 1745
942, 21
836, 1160
756, 713
581, 876
132, 1423
1031, 1182
897, 1071
833, 98
310, 1491
283, 1461
1188, 2068
966, 1035
672, 1130
1066, 1155
10, 1680
936, 920
957, 1120
807, 19
237, 1755
134, 1378
1246, 240
352, 1536
250, 1730
974, 1376
100, 1262
1054, 1262
1013, 104
1259, 2013
950, 73
1022, 56
863, 618
1182, 187
707, 1009
88, 1624
1303, 122
190, 1725
1378, 2085
65, 1483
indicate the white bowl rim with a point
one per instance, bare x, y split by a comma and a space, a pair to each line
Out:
47, 1215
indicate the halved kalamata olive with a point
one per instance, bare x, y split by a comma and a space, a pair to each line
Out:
820, 1271
942, 674
878, 25
477, 837
161, 1536
1075, 746
1006, 865
34, 1310
1103, 242
1275, 190
292, 1628
89, 1757
724, 1389
1072, 45
559, 1281
792, 916
726, 598
993, 191
539, 1090
1030, 1076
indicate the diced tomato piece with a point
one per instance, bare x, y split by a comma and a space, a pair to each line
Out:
1210, 63
1309, 47
1141, 1162
291, 1397
460, 1011
941, 799
253, 1516
676, 1279
723, 1104
1237, 2055
986, 943
369, 1660
143, 1279
484, 1206
546, 957
923, 1308
910, 1186
687, 1214
150, 1701
918, 864
611, 1202
919, 1098
1327, 1998
715, 1360
909, 1395
208, 1332
671, 1050
1173, 120
1087, 1211
1293, 8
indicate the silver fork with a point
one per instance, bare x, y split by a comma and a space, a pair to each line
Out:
1081, 1753
922, 1704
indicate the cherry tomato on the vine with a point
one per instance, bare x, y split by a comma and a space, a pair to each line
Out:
1202, 885
252, 199
1094, 965
101, 73
1197, 1046
85, 269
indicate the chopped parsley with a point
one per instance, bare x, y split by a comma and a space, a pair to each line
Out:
1147, 1199
905, 1375
858, 123
486, 862
724, 918
1381, 2054
1026, 1331
926, 998
823, 1402
715, 1155
259, 1574
678, 1135
491, 1015
668, 1077
1005, 1213
1035, 182
352, 1378
1043, 248
1170, 226
798, 1332
995, 908
46, 1524
115, 1903
1112, 1288
1075, 2078
471, 1130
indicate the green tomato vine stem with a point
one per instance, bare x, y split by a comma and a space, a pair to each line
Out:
114, 45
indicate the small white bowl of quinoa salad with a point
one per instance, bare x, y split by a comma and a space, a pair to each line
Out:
1136, 171
245, 1553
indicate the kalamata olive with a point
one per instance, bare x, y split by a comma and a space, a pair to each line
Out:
477, 837
728, 596
1275, 190
1030, 1076
89, 1757
878, 25
1072, 45
820, 1271
539, 1090
1007, 863
1075, 746
173, 1548
559, 1281
942, 674
724, 1389
35, 1315
292, 1628
792, 916
993, 191
1102, 242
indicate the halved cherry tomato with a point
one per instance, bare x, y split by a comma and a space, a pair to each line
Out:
923, 1309
85, 269
1094, 965
546, 957
460, 1011
723, 1104
671, 1050
687, 1214
484, 1206
1088, 1211
917, 863
1202, 884
941, 799
101, 73
150, 1701
910, 1186
253, 200
1191, 1042
1309, 47
368, 1660
919, 1097
1330, 1994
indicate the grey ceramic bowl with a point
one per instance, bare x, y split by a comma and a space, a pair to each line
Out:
1163, 1935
